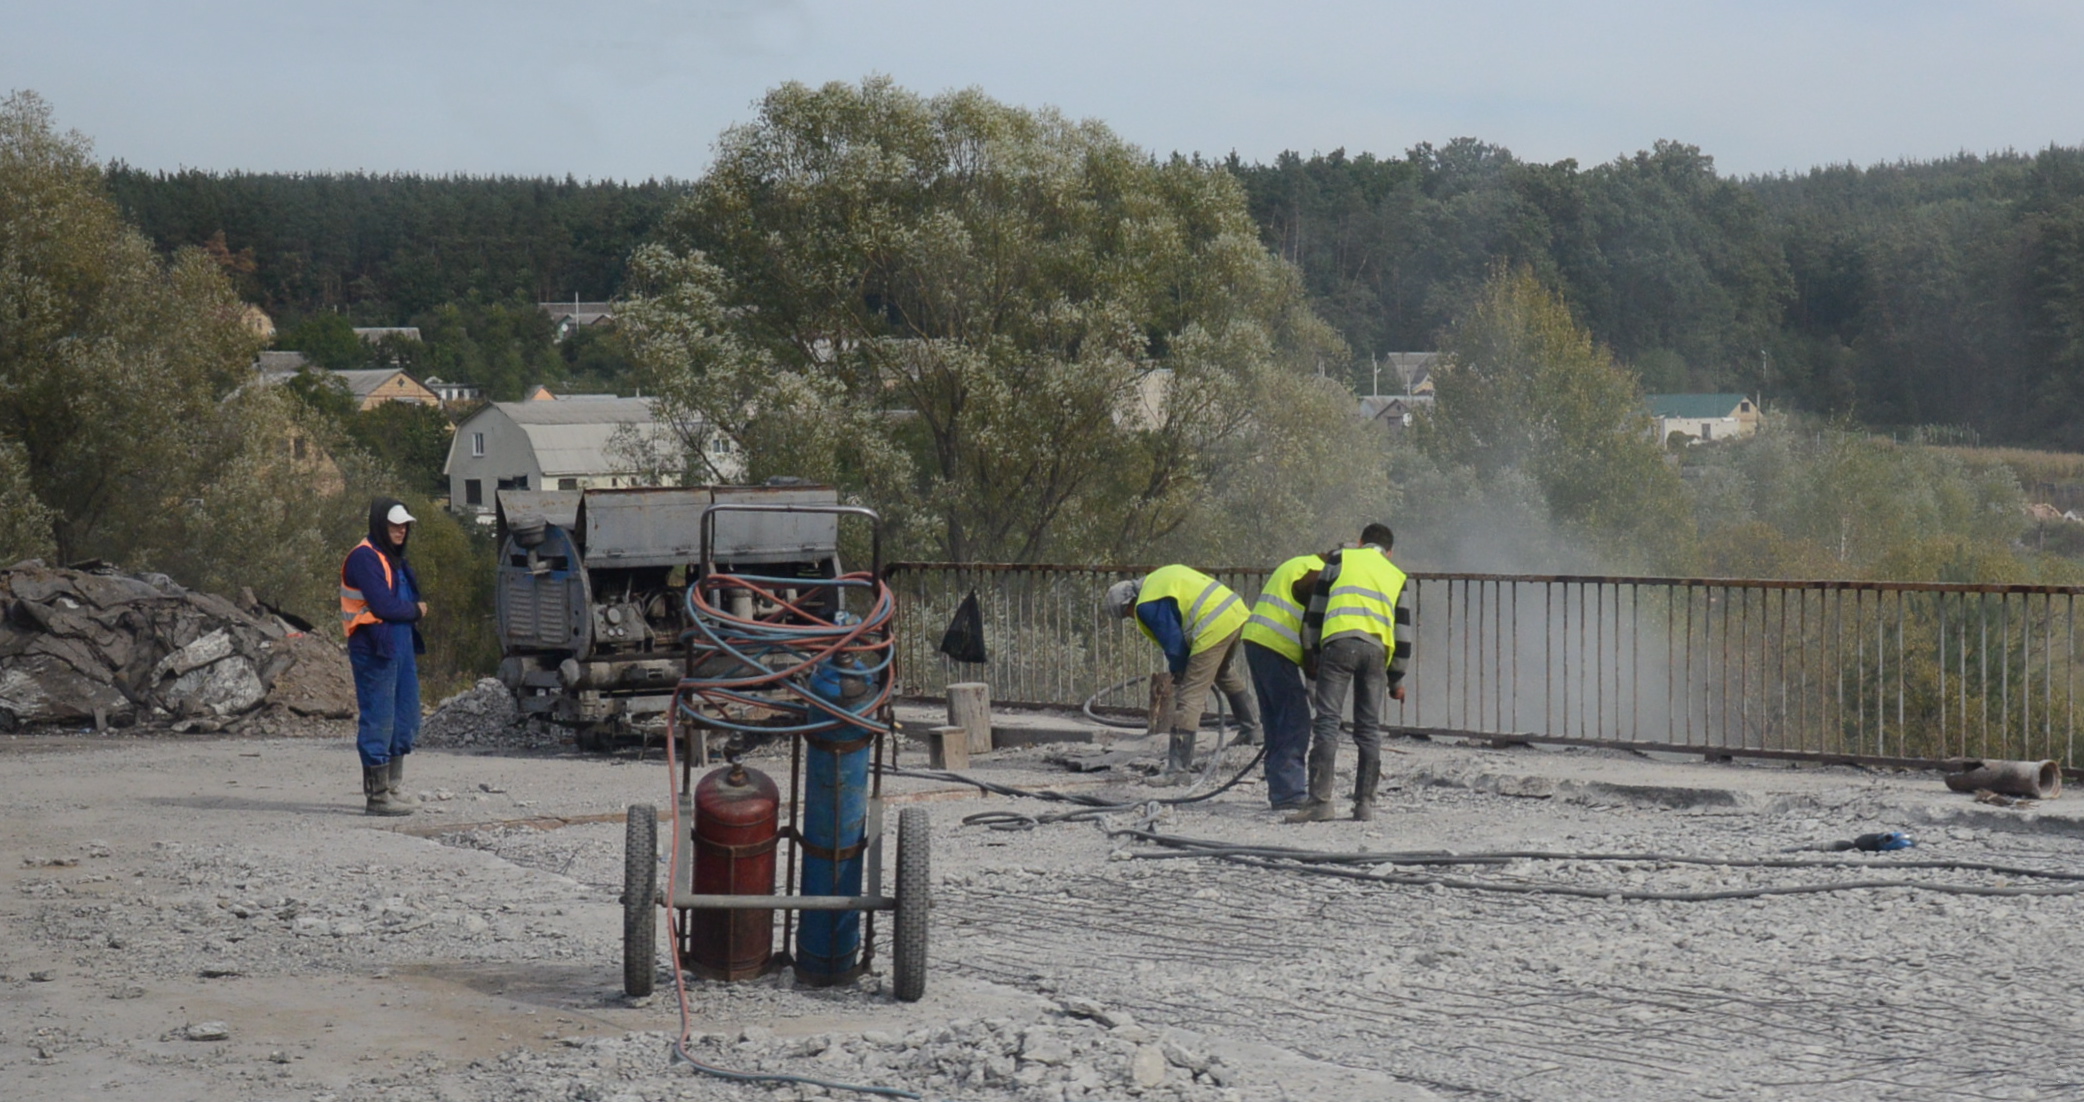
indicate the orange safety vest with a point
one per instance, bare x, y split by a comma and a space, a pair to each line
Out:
354, 608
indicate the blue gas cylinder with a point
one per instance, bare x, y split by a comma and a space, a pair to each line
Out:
833, 833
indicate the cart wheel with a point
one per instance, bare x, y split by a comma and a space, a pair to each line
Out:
640, 900
914, 899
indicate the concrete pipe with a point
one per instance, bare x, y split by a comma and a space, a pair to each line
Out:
2035, 780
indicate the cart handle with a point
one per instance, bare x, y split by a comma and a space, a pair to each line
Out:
875, 520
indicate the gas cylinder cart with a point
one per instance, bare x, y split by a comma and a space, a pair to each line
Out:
807, 659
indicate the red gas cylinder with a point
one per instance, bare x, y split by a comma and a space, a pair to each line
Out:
737, 821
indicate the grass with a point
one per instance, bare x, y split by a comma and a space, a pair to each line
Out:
2031, 466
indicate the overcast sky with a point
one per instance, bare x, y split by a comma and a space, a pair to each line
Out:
641, 88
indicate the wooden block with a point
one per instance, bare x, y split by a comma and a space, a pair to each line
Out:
1161, 702
948, 748
969, 707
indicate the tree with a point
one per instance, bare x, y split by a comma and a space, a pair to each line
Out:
411, 439
329, 341
25, 522
997, 291
113, 362
1526, 393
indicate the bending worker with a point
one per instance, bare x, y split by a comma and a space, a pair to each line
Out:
1274, 653
1356, 633
1197, 621
380, 609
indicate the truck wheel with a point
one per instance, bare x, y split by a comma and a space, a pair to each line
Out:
640, 900
914, 899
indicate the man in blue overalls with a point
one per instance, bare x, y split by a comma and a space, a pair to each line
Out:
380, 609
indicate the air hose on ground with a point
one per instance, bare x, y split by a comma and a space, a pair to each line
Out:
1339, 864
1090, 807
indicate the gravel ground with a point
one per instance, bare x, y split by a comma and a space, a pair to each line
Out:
213, 919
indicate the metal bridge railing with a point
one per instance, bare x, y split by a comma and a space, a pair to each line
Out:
1884, 672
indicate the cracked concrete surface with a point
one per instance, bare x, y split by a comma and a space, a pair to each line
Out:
152, 885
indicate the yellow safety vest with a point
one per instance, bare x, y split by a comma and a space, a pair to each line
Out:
1276, 622
354, 608
1208, 610
1364, 596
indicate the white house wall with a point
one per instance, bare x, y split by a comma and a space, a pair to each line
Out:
509, 454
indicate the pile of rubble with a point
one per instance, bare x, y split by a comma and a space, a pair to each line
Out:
484, 716
94, 646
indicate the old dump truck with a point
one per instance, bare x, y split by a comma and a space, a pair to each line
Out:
590, 583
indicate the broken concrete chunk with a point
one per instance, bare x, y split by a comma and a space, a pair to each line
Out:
113, 590
227, 688
42, 689
208, 1031
1147, 1067
202, 652
38, 586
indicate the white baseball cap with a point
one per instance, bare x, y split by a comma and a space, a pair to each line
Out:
398, 515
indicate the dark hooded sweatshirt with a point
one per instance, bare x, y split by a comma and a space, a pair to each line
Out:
397, 604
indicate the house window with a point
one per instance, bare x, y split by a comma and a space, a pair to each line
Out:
1707, 431
473, 491
520, 482
477, 443
567, 483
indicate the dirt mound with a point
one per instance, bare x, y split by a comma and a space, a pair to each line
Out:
96, 646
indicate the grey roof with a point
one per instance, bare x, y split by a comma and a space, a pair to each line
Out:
578, 411
575, 437
1375, 406
279, 363
1420, 364
377, 333
585, 313
364, 382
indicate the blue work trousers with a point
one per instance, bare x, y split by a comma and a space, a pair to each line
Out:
387, 690
1284, 709
1362, 665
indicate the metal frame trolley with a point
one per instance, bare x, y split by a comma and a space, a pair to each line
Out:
778, 656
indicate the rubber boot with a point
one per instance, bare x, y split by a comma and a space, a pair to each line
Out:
394, 781
1366, 777
1245, 711
1324, 763
376, 785
1179, 761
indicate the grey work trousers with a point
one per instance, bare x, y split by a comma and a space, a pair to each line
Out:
1361, 664
1216, 667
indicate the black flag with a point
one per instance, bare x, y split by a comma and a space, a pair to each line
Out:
965, 639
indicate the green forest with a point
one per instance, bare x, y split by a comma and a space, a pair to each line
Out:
1943, 295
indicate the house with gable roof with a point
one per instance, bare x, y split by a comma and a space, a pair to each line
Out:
1703, 417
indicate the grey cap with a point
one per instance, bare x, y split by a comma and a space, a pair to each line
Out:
1120, 596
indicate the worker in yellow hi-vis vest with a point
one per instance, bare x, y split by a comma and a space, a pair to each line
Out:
1197, 621
1356, 633
1274, 654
